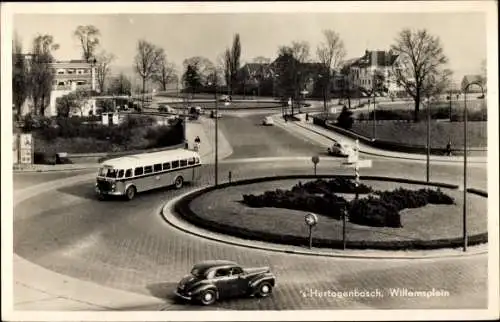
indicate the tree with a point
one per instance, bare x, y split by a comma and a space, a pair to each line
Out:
120, 85
345, 119
292, 69
261, 71
147, 61
20, 90
165, 73
420, 58
89, 40
102, 69
68, 103
235, 62
192, 79
41, 74
202, 65
330, 53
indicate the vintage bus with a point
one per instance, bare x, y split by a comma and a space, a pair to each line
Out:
128, 175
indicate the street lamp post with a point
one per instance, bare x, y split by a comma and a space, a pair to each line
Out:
428, 138
465, 162
216, 170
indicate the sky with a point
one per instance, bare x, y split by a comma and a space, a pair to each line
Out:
182, 35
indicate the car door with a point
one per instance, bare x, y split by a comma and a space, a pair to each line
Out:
240, 282
224, 282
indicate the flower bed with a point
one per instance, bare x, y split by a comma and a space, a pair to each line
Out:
380, 209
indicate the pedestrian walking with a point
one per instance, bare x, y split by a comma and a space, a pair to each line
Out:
197, 143
448, 148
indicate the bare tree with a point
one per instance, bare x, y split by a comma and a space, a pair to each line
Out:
165, 74
41, 74
330, 53
420, 58
224, 60
104, 59
20, 90
89, 40
147, 61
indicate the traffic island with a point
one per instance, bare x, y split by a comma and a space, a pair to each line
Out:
432, 226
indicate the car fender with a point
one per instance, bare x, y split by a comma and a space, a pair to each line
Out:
259, 279
197, 290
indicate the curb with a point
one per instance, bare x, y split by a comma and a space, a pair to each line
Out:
381, 154
167, 212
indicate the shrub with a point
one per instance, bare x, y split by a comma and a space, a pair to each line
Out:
318, 196
345, 119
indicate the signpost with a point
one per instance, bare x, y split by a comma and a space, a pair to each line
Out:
26, 148
311, 221
315, 161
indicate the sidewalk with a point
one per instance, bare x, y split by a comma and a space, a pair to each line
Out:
306, 128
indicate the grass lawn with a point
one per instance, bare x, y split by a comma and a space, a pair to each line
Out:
426, 223
416, 133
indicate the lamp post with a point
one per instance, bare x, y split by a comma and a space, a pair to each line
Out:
216, 171
428, 138
465, 160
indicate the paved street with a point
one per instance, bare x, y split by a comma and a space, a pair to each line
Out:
128, 246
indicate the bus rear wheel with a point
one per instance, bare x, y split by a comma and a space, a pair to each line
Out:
179, 182
130, 193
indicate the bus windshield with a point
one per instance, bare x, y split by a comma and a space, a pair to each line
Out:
108, 172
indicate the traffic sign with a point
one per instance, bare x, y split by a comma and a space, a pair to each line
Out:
359, 164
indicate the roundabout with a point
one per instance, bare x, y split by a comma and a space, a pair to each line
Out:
222, 210
61, 227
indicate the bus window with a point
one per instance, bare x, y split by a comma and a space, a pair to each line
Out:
138, 171
148, 169
166, 166
120, 173
157, 167
128, 173
191, 161
175, 164
184, 163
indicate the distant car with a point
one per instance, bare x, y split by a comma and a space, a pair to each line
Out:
268, 121
340, 149
215, 115
220, 279
224, 98
166, 109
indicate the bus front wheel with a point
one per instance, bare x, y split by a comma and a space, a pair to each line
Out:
179, 181
130, 193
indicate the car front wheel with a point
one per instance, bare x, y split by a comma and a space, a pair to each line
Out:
265, 289
208, 297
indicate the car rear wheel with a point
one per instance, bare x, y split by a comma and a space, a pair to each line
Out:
179, 182
130, 193
265, 288
208, 297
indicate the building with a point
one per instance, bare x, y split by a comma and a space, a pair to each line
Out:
68, 77
360, 72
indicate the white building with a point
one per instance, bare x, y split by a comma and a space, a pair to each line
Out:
68, 77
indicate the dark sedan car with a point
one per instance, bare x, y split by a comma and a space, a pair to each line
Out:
213, 280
